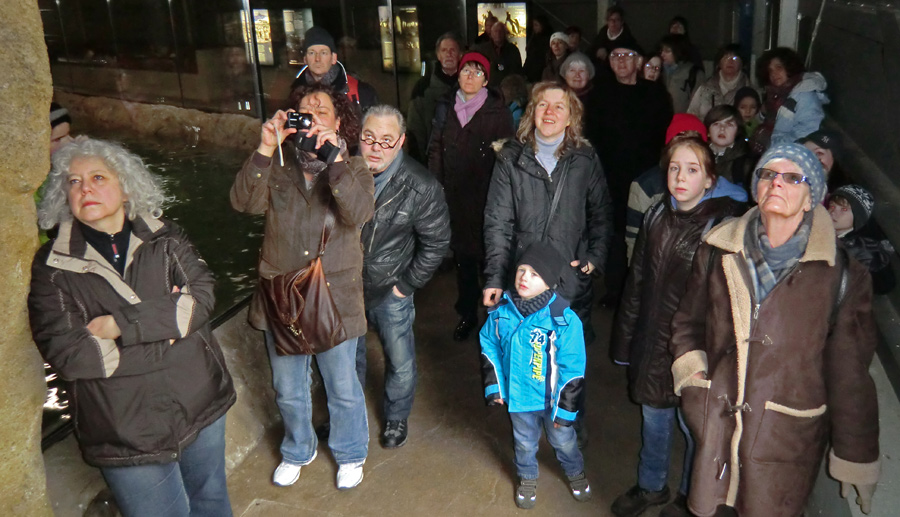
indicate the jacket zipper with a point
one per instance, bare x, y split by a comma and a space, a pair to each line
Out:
374, 223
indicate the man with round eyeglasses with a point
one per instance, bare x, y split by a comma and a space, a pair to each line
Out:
403, 245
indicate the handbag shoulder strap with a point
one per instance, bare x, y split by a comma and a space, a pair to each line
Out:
556, 195
326, 229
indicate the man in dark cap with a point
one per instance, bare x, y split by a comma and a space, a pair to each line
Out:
322, 66
504, 56
628, 130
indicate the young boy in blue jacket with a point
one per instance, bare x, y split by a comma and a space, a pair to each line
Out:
532, 354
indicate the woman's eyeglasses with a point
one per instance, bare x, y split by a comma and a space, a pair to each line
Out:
468, 72
375, 143
648, 66
794, 178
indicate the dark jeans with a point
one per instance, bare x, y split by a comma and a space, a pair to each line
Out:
527, 435
393, 318
468, 286
656, 449
192, 486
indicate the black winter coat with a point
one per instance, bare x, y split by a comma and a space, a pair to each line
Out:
462, 159
406, 239
518, 208
137, 399
660, 270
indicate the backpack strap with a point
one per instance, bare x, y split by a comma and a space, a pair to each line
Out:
353, 88
841, 260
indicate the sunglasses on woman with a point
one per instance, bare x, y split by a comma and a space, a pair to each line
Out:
794, 178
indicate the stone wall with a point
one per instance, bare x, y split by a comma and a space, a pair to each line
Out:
25, 92
162, 121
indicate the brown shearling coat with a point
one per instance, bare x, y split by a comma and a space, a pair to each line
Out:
795, 380
294, 221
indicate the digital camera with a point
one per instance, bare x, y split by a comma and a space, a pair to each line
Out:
302, 122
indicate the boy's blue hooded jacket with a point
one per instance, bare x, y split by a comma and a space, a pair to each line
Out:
536, 362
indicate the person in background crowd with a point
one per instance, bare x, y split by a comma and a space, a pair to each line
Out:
503, 55
793, 101
537, 50
467, 121
515, 94
578, 72
427, 92
119, 306
652, 69
576, 44
828, 148
60, 126
559, 51
548, 187
485, 37
403, 245
650, 186
322, 66
536, 369
300, 194
851, 208
628, 130
747, 101
697, 200
614, 34
726, 139
680, 76
679, 25
725, 82
772, 345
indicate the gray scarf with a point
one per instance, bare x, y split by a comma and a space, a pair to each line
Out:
769, 265
328, 78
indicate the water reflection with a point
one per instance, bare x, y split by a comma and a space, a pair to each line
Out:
198, 179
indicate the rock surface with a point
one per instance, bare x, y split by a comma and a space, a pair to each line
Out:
168, 122
25, 90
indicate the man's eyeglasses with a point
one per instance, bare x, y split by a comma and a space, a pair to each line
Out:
375, 143
794, 178
622, 55
469, 72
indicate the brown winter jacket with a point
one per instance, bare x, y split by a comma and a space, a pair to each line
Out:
659, 273
141, 398
782, 379
294, 221
463, 160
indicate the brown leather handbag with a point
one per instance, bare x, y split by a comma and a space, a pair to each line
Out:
302, 315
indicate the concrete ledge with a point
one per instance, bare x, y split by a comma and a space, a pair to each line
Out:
72, 484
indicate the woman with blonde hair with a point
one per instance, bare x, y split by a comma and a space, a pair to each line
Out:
548, 186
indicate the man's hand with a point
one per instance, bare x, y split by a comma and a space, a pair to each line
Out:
491, 296
587, 269
397, 292
273, 133
104, 327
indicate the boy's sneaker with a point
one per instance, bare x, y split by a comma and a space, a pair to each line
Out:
526, 493
633, 502
286, 474
349, 475
581, 490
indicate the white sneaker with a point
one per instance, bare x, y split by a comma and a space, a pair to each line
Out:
288, 473
349, 475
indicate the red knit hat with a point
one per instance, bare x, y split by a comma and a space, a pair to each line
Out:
478, 57
683, 122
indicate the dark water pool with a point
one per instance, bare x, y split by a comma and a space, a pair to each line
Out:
199, 179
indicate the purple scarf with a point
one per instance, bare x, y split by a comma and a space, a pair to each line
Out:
465, 109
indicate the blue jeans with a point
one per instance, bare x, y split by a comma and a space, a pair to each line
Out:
291, 376
192, 486
656, 449
394, 319
527, 434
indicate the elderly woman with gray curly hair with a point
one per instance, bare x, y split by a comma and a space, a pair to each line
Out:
119, 306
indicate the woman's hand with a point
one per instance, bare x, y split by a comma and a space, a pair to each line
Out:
491, 296
587, 269
104, 327
324, 134
273, 133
